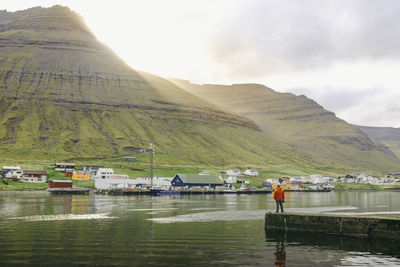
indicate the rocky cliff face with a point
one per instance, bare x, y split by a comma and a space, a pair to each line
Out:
297, 121
64, 94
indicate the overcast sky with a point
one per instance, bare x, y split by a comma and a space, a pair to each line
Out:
344, 54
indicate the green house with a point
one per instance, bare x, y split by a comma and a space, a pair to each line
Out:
192, 180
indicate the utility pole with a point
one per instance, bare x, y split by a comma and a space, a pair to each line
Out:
151, 162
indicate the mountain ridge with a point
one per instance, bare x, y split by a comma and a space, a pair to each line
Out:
388, 136
297, 121
63, 94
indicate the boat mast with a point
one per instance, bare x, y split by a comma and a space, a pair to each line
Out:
151, 162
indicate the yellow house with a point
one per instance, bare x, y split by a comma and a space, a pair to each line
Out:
80, 176
287, 185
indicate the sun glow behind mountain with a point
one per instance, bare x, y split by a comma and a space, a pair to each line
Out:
342, 54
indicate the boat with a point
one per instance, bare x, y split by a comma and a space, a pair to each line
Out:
162, 192
229, 191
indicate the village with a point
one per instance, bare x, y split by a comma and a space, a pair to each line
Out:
104, 179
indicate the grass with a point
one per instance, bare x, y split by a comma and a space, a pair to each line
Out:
20, 186
357, 186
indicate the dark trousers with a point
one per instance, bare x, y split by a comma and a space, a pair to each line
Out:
279, 203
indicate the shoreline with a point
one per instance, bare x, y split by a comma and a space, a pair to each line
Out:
128, 192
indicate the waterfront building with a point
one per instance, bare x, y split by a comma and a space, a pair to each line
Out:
107, 184
60, 184
195, 180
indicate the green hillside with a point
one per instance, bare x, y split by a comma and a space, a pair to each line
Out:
64, 95
387, 136
300, 123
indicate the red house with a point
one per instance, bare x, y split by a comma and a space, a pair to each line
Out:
60, 184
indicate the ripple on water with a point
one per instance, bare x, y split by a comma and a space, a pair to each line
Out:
153, 209
63, 217
238, 215
367, 259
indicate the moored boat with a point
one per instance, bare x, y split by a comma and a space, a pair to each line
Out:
160, 192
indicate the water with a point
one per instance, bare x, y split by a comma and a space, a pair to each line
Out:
38, 229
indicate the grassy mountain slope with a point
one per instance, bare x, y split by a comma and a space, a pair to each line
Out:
299, 122
387, 136
64, 95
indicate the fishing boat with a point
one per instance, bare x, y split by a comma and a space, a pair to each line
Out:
162, 192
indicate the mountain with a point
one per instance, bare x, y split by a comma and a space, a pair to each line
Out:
387, 136
298, 122
63, 94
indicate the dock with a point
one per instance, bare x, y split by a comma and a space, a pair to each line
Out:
349, 226
183, 192
69, 191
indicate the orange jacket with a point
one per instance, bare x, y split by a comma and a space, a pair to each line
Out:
279, 194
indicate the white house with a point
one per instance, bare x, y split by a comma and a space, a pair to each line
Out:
315, 176
10, 172
28, 179
297, 179
62, 166
251, 172
103, 173
34, 176
243, 181
91, 169
273, 181
314, 186
231, 180
351, 180
233, 172
325, 179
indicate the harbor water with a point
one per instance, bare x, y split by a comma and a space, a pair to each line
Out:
200, 230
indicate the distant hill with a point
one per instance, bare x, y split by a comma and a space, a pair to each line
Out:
299, 122
63, 94
388, 136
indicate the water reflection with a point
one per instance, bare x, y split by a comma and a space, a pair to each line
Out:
280, 254
324, 242
186, 230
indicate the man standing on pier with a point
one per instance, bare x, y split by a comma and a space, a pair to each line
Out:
279, 196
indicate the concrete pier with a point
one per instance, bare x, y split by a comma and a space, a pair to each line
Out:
354, 226
69, 191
